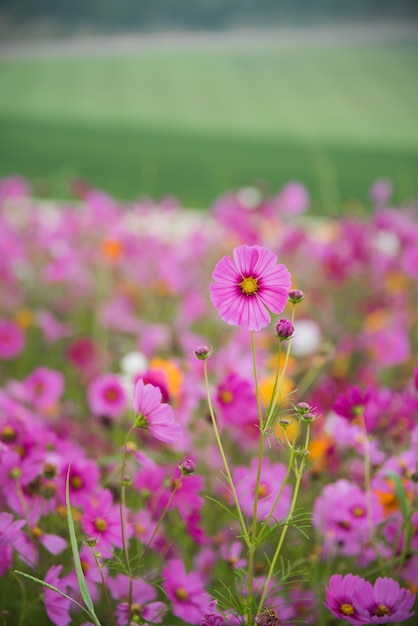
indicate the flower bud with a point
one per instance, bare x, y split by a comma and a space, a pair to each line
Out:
284, 422
296, 295
187, 467
203, 352
303, 407
284, 329
91, 542
308, 417
268, 617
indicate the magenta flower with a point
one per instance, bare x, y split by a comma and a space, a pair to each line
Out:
10, 532
340, 597
384, 602
107, 397
56, 606
12, 339
153, 414
186, 592
249, 286
101, 521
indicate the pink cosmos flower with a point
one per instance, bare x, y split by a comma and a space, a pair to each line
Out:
101, 520
383, 602
272, 475
56, 606
186, 592
10, 532
44, 387
248, 286
107, 397
153, 414
340, 597
12, 340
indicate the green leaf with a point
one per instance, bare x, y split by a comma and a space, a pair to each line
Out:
85, 594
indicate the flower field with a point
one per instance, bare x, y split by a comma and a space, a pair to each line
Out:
210, 418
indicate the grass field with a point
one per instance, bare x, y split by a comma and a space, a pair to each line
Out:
334, 115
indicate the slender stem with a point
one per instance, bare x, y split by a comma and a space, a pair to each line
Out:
286, 478
224, 459
276, 379
253, 531
167, 506
299, 474
122, 520
367, 486
105, 589
278, 385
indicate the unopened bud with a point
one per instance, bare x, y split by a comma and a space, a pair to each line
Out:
284, 422
91, 542
203, 352
284, 330
303, 407
187, 467
308, 417
296, 295
268, 617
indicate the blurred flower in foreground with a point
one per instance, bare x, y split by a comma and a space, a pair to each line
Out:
248, 286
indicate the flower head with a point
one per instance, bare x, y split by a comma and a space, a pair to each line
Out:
249, 286
186, 592
384, 602
153, 414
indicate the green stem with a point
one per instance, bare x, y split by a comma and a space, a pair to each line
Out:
286, 478
122, 521
367, 486
224, 459
167, 506
299, 474
106, 592
253, 531
278, 385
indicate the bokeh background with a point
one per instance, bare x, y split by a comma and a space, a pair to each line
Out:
195, 97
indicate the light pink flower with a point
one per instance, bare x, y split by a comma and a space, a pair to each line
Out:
153, 414
249, 286
56, 606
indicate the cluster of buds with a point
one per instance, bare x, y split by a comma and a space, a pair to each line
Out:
305, 412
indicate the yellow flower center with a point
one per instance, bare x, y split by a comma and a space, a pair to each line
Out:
8, 434
76, 482
347, 609
358, 511
382, 610
181, 593
262, 491
226, 396
249, 286
100, 524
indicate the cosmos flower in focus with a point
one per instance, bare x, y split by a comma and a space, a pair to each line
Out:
249, 286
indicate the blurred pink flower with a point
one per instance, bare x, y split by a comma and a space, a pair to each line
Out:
248, 286
107, 397
186, 591
56, 605
12, 339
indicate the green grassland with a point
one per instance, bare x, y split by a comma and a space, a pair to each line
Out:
335, 116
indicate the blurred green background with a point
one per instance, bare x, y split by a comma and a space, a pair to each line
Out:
193, 113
